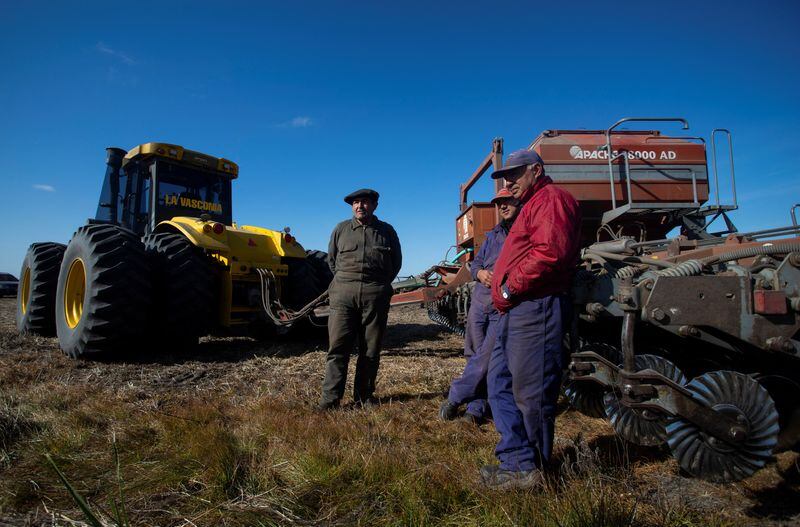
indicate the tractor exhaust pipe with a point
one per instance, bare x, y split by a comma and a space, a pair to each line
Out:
114, 157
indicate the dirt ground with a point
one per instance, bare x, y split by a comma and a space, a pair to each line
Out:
418, 361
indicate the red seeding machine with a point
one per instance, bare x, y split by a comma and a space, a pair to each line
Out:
690, 341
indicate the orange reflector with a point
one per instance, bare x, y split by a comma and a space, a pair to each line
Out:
207, 228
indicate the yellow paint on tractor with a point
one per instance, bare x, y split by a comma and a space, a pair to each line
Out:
178, 153
74, 293
240, 249
248, 246
25, 293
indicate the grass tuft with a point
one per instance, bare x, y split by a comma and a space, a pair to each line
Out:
16, 423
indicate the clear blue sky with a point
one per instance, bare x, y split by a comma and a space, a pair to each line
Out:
315, 99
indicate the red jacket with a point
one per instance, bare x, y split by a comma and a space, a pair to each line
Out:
539, 255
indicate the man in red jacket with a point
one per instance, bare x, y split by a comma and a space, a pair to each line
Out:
531, 280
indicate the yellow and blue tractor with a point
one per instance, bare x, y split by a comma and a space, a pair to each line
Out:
162, 263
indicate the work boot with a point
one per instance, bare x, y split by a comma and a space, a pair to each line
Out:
473, 419
368, 403
502, 479
488, 471
325, 406
448, 411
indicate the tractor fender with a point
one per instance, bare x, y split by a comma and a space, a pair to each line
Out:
193, 229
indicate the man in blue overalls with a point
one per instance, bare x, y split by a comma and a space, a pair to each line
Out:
532, 277
470, 387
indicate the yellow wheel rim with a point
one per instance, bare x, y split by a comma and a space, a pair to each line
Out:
74, 292
25, 292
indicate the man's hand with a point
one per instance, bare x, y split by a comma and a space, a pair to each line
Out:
485, 277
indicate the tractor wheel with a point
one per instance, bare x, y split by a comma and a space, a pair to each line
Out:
185, 290
319, 261
36, 294
308, 278
103, 294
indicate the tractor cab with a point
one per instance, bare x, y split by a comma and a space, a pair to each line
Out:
155, 182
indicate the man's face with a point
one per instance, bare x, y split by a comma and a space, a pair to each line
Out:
508, 208
519, 180
363, 208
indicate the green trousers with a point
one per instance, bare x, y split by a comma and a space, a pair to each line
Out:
358, 314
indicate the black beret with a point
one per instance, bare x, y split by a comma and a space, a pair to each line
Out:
361, 193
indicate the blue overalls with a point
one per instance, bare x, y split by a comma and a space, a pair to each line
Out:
532, 275
528, 345
470, 388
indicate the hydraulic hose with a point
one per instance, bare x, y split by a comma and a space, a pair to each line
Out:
630, 271
687, 268
460, 254
749, 252
695, 267
628, 259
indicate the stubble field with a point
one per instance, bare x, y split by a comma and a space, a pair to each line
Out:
228, 435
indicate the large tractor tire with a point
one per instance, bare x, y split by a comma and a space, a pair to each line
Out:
319, 261
185, 290
308, 278
36, 294
104, 292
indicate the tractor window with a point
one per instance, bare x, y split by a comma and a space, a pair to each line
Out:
186, 192
106, 204
134, 185
124, 198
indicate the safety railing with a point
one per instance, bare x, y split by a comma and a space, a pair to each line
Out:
727, 132
695, 199
612, 157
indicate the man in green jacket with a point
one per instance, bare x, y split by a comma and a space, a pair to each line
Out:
364, 256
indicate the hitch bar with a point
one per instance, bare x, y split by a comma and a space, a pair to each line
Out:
649, 390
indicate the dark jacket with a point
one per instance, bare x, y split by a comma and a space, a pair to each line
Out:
485, 259
364, 253
541, 251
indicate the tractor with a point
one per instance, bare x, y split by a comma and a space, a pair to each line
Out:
162, 263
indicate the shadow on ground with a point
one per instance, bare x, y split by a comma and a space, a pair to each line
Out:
404, 334
606, 450
781, 502
615, 451
226, 349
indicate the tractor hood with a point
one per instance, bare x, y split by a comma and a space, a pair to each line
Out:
243, 247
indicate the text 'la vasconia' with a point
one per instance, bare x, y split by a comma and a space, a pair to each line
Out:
189, 203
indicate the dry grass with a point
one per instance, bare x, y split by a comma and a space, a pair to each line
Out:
228, 436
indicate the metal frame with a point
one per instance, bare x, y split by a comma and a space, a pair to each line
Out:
495, 159
617, 211
610, 150
718, 209
727, 132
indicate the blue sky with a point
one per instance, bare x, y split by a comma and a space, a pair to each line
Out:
315, 99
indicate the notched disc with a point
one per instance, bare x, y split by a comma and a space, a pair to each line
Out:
742, 398
586, 396
642, 427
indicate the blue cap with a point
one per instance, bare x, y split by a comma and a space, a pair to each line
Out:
520, 158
